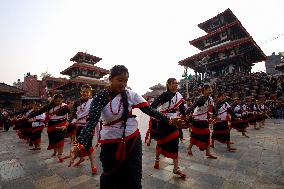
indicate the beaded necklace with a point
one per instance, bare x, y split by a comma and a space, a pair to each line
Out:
119, 107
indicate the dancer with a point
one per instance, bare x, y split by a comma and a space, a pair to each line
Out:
170, 103
263, 108
25, 125
79, 118
57, 114
202, 110
251, 115
221, 130
38, 123
239, 122
121, 146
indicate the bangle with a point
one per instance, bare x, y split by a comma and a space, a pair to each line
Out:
80, 147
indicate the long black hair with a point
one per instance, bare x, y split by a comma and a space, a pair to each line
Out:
115, 71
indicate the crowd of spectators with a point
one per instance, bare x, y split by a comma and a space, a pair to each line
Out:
258, 86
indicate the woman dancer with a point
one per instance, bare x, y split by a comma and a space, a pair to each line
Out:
221, 130
239, 122
57, 115
38, 123
170, 103
202, 110
79, 119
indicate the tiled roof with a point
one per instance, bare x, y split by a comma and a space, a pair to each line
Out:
4, 88
86, 66
90, 57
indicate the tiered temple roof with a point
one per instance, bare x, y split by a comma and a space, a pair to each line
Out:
235, 26
80, 68
84, 57
227, 46
83, 72
211, 24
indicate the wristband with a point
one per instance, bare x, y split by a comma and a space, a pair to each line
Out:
80, 147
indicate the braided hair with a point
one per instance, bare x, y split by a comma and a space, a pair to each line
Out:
115, 71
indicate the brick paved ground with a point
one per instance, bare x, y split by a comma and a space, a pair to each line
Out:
258, 163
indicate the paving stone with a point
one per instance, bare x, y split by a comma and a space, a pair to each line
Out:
210, 180
163, 175
22, 183
89, 184
199, 167
11, 169
153, 183
187, 183
257, 163
235, 185
79, 180
50, 183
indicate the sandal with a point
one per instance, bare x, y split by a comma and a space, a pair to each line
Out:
94, 170
61, 159
179, 173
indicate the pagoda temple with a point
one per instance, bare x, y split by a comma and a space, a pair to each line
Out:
226, 48
83, 71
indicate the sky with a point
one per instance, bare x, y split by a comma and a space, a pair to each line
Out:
149, 37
